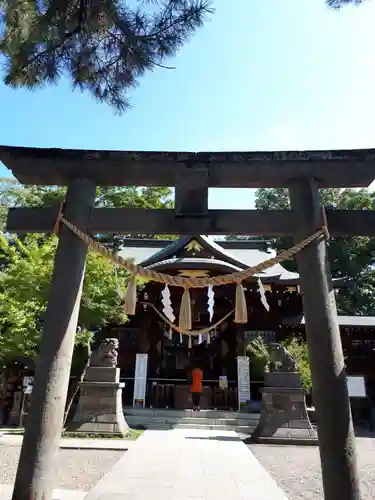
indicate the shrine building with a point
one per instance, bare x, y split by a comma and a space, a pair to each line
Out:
275, 317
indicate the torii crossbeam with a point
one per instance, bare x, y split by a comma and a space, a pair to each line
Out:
192, 174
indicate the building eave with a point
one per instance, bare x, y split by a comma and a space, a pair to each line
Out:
344, 321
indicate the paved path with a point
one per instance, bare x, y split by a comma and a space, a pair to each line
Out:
6, 493
296, 469
75, 443
187, 464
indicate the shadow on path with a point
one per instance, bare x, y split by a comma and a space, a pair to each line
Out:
215, 438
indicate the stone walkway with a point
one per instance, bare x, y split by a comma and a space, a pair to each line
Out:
6, 493
187, 464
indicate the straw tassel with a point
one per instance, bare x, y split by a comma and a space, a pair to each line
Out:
189, 342
240, 315
185, 322
130, 300
56, 228
119, 290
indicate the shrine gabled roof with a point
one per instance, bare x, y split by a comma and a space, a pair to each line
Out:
202, 252
193, 246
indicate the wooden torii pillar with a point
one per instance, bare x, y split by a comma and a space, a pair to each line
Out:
330, 392
35, 473
192, 174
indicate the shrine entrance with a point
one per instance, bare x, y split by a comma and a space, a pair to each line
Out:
192, 174
172, 355
171, 359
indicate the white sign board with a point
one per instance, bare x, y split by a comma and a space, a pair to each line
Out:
140, 380
223, 382
27, 384
356, 387
243, 376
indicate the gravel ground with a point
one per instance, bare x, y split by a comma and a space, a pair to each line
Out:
296, 469
76, 470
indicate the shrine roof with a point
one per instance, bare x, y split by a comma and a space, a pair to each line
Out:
51, 166
194, 263
202, 252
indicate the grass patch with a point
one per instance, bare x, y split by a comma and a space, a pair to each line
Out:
12, 430
132, 435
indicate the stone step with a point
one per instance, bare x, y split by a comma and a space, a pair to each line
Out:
170, 413
246, 429
151, 418
228, 422
152, 425
166, 426
297, 441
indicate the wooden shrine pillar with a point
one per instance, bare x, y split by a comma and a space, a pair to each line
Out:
240, 339
144, 330
34, 480
330, 394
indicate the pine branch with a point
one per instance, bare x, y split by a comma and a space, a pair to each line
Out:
104, 46
338, 4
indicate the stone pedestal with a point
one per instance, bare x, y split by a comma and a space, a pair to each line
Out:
291, 380
284, 418
100, 404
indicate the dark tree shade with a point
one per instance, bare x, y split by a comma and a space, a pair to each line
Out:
104, 46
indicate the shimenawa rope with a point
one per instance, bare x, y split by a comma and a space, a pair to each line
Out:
185, 319
193, 333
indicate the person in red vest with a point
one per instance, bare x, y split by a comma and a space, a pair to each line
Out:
196, 387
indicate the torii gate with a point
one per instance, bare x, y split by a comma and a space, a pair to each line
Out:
191, 174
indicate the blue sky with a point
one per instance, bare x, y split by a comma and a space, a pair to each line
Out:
267, 75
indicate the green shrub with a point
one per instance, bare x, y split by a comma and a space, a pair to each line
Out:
259, 356
298, 349
257, 351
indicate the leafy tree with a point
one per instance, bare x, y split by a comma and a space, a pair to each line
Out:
299, 350
104, 47
132, 197
257, 351
24, 287
350, 257
14, 194
26, 265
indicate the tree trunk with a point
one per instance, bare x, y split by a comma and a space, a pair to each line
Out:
74, 386
34, 479
335, 427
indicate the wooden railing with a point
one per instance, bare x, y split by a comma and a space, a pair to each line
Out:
174, 393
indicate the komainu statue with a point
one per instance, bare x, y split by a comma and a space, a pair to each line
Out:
105, 355
281, 360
